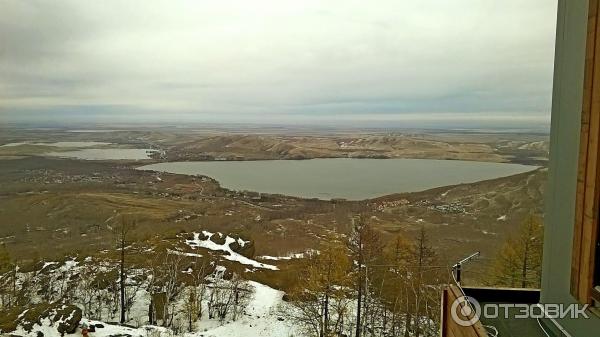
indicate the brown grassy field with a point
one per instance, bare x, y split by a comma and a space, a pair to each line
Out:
51, 208
71, 206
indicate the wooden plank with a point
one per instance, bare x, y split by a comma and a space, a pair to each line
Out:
583, 152
576, 257
588, 174
443, 319
590, 222
449, 327
590, 234
584, 270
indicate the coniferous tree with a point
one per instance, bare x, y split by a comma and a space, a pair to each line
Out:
321, 298
519, 261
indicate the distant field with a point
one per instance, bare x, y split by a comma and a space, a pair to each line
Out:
52, 207
206, 144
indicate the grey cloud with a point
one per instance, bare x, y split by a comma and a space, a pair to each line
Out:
244, 60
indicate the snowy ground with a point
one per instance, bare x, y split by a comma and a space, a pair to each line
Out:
225, 247
263, 318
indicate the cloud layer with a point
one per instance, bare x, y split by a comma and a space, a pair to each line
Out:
277, 60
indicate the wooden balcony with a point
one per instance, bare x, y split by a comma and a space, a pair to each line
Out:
500, 326
449, 328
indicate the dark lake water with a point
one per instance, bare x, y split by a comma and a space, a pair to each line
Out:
352, 179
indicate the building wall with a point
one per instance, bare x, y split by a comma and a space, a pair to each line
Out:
564, 144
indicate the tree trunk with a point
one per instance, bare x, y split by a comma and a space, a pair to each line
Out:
326, 314
407, 325
326, 304
360, 287
122, 276
525, 258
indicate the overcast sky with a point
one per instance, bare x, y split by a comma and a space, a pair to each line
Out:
278, 61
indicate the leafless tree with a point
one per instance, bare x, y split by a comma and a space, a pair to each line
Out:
166, 279
228, 298
195, 294
365, 246
122, 231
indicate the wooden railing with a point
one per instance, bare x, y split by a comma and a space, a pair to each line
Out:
449, 327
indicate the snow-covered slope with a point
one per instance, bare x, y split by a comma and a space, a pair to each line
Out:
230, 255
262, 318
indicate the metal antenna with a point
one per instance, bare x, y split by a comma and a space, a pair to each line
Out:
458, 266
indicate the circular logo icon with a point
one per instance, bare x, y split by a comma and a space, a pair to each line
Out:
465, 311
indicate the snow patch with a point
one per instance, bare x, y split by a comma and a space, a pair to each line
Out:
176, 252
261, 317
230, 255
288, 256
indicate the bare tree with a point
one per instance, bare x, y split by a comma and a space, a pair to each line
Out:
8, 279
240, 291
228, 298
122, 232
132, 286
195, 294
165, 284
365, 246
420, 259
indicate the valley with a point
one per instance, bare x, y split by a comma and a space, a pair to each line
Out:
54, 210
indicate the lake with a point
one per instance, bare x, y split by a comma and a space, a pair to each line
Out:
353, 179
58, 144
105, 154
